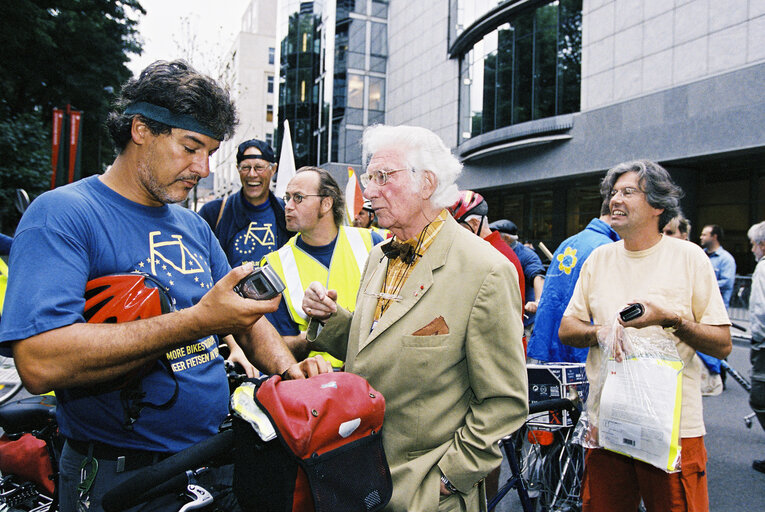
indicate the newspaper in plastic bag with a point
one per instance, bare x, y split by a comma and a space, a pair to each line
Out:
634, 407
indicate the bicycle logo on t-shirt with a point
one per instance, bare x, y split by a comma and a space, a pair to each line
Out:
185, 262
247, 241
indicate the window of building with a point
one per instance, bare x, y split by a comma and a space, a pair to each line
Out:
270, 139
357, 35
379, 47
526, 69
380, 8
269, 113
376, 93
271, 55
270, 85
355, 91
582, 205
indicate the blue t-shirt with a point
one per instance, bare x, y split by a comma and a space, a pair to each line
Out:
5, 244
86, 230
725, 272
257, 239
247, 232
281, 319
562, 274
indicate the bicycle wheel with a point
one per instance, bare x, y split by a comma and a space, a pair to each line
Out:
10, 382
552, 466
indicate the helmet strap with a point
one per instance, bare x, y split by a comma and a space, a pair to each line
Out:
480, 225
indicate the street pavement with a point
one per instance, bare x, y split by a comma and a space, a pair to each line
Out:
731, 446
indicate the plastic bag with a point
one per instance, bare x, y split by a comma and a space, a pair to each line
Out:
633, 407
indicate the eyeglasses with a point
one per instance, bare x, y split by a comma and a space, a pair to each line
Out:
379, 177
245, 169
626, 192
298, 198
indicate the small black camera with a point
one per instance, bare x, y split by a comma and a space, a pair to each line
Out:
631, 312
262, 284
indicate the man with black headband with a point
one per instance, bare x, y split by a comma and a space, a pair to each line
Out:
437, 328
166, 125
250, 223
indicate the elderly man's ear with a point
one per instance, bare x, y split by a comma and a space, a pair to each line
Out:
429, 184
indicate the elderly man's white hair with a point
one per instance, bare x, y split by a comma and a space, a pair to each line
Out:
756, 233
421, 150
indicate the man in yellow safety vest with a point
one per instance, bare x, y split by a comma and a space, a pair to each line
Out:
323, 250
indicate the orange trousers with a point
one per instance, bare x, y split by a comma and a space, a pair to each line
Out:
614, 482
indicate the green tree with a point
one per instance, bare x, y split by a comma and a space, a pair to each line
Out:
59, 52
25, 146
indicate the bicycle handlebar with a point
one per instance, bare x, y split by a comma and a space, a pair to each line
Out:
167, 475
556, 404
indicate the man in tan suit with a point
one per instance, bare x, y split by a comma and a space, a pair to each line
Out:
437, 328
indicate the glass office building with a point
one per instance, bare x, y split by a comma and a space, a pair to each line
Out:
538, 98
332, 68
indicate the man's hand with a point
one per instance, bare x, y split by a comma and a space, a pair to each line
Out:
222, 310
307, 368
237, 356
713, 340
531, 307
614, 341
318, 302
653, 314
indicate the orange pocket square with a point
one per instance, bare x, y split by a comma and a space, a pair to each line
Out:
437, 326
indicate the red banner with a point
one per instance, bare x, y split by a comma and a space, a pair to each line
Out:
58, 122
74, 140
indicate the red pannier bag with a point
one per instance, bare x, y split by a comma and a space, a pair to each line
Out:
328, 455
27, 458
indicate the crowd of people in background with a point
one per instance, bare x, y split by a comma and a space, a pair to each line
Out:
434, 317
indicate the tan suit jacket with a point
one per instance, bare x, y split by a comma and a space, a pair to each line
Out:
449, 397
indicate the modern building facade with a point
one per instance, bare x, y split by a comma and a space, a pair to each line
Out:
332, 56
248, 70
540, 98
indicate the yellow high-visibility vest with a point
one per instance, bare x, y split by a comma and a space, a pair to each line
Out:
298, 269
3, 282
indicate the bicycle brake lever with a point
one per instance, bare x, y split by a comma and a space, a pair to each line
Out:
199, 494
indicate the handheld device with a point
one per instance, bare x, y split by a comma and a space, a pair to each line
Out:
631, 312
262, 284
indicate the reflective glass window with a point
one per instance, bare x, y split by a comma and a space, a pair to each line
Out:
376, 93
380, 8
355, 91
528, 68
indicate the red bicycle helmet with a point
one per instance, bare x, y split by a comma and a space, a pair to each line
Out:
118, 298
469, 203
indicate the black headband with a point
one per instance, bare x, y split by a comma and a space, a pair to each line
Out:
164, 116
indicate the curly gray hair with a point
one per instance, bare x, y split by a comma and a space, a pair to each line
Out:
657, 185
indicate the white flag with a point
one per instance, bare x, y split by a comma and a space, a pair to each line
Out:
353, 198
286, 169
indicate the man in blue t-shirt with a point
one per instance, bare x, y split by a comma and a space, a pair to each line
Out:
567, 261
722, 261
167, 124
250, 223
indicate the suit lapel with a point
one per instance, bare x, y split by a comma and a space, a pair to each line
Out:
415, 287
